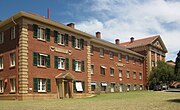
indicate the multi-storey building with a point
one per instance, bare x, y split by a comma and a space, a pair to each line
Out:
44, 59
152, 48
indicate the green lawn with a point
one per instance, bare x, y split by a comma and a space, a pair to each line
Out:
115, 101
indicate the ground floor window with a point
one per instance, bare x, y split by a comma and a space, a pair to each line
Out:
112, 87
42, 85
134, 87
1, 86
141, 87
103, 86
128, 87
93, 86
13, 85
79, 86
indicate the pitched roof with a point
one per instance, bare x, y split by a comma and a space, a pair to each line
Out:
139, 42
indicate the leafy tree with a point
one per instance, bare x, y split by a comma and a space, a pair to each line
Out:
161, 74
177, 68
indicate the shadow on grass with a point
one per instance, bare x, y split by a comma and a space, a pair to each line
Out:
174, 100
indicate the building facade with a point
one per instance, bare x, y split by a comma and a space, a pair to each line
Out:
43, 59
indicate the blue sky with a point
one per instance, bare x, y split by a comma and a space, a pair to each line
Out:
114, 18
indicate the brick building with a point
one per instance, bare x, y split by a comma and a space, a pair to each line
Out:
44, 59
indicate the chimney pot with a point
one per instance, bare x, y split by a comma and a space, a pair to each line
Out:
117, 41
98, 35
132, 39
72, 25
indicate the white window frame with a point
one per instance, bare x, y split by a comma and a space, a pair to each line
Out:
134, 75
120, 73
1, 63
41, 34
61, 63
78, 44
13, 32
78, 65
13, 85
119, 56
1, 86
127, 74
40, 60
61, 40
134, 87
140, 75
1, 37
111, 55
101, 52
104, 68
112, 74
92, 69
12, 59
42, 85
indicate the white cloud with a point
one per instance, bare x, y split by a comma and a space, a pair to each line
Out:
139, 18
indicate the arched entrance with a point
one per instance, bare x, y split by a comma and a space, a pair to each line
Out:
65, 85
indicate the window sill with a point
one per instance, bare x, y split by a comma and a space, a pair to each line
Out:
12, 92
127, 62
111, 58
1, 69
41, 39
92, 54
119, 60
77, 48
41, 66
61, 44
101, 56
112, 75
78, 71
103, 75
12, 66
42, 91
61, 68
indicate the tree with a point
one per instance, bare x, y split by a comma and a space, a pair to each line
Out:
177, 68
162, 74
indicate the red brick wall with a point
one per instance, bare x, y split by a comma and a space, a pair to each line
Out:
106, 61
9, 46
35, 45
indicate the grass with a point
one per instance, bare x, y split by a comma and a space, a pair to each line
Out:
145, 100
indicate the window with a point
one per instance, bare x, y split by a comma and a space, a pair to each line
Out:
102, 70
153, 63
78, 65
61, 39
119, 56
91, 49
77, 43
1, 86
134, 75
79, 86
101, 50
13, 85
120, 73
42, 85
111, 72
140, 75
61, 63
134, 87
12, 59
93, 86
1, 37
1, 63
128, 87
127, 58
103, 86
141, 87
127, 74
112, 87
42, 60
92, 69
13, 32
41, 33
111, 54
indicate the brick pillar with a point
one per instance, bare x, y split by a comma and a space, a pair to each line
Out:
89, 66
23, 59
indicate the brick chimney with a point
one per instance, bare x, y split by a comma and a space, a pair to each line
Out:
98, 35
131, 39
72, 25
117, 41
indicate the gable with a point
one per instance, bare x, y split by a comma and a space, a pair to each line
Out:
158, 43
